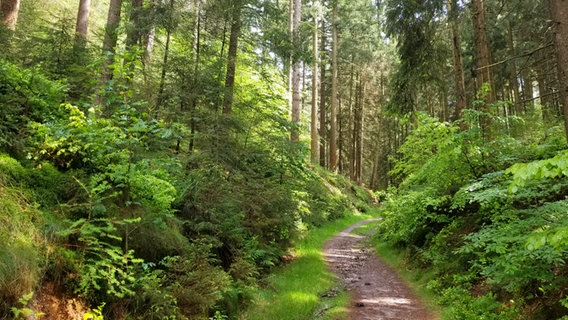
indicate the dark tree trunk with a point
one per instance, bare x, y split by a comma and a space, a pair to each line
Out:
109, 46
10, 10
162, 85
232, 57
314, 115
322, 111
559, 15
481, 47
295, 135
461, 102
82, 25
334, 88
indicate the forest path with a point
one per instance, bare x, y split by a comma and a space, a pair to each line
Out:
376, 291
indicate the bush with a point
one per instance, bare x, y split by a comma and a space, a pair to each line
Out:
25, 96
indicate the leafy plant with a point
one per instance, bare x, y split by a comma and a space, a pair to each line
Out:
25, 312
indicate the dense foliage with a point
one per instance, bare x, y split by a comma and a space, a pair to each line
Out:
106, 203
487, 215
148, 166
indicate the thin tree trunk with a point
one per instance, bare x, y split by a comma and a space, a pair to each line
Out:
559, 15
340, 138
513, 77
544, 86
314, 143
290, 62
461, 102
481, 47
232, 57
358, 130
166, 58
82, 25
354, 139
350, 117
360, 134
10, 10
295, 135
334, 68
109, 46
322, 112
149, 35
196, 62
528, 91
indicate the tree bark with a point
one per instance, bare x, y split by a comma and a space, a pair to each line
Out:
295, 135
232, 57
559, 16
528, 91
82, 25
195, 80
149, 35
314, 116
334, 68
481, 47
109, 45
322, 111
162, 84
461, 102
513, 77
350, 117
10, 10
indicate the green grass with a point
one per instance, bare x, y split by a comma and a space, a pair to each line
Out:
416, 279
294, 291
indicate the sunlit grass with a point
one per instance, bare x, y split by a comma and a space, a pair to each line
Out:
294, 291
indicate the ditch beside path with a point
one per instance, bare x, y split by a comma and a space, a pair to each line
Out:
377, 293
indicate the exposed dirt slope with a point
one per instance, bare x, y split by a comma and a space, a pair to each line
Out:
376, 290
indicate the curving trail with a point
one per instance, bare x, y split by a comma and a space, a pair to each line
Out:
376, 290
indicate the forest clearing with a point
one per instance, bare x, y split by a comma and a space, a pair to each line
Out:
203, 159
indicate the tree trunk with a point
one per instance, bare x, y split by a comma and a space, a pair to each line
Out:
461, 102
322, 113
195, 80
295, 135
290, 63
149, 35
354, 139
109, 45
528, 92
350, 117
334, 68
340, 137
314, 116
481, 48
162, 84
10, 10
232, 57
359, 131
82, 25
559, 15
133, 34
513, 77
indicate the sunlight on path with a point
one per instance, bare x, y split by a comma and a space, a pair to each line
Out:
377, 292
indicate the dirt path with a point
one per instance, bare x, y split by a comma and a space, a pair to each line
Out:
376, 290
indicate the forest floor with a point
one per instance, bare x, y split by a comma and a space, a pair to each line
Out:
376, 291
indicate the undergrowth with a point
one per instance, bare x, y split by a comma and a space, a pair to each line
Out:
108, 205
485, 214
